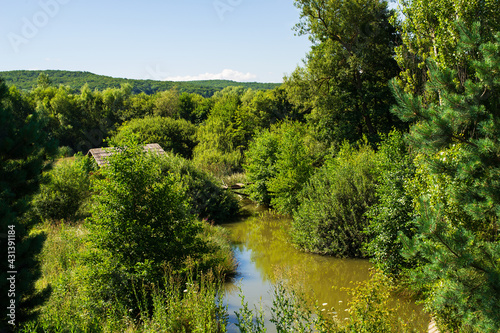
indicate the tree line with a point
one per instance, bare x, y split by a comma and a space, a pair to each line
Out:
26, 80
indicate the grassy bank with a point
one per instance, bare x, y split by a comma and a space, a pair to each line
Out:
189, 301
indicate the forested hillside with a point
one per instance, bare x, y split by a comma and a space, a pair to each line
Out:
25, 80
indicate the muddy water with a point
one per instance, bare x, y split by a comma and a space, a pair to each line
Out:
262, 249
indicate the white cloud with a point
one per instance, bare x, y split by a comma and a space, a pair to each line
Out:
226, 74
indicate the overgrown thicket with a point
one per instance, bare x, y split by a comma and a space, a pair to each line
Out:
278, 163
65, 190
128, 264
331, 216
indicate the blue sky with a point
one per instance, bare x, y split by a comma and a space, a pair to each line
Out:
241, 40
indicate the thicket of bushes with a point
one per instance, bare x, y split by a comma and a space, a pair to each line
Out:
142, 241
331, 216
65, 192
278, 163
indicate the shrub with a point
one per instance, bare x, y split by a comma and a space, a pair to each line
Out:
331, 216
207, 198
176, 135
66, 191
65, 151
278, 163
222, 138
392, 214
141, 215
260, 164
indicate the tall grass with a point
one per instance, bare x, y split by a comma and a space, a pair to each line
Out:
189, 301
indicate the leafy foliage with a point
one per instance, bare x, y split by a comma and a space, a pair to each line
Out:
393, 212
429, 30
65, 191
278, 163
141, 217
24, 147
189, 301
175, 135
221, 136
459, 183
206, 197
344, 83
331, 216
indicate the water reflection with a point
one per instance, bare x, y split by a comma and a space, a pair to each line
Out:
262, 249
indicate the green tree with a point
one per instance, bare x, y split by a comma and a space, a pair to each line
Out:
344, 83
222, 138
278, 163
459, 186
141, 217
140, 106
167, 104
393, 211
188, 103
66, 190
175, 135
43, 80
24, 147
115, 102
428, 30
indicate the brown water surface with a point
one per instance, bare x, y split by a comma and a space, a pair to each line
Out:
263, 251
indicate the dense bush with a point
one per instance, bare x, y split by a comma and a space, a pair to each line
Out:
176, 135
331, 217
392, 214
278, 163
235, 117
141, 216
206, 197
66, 191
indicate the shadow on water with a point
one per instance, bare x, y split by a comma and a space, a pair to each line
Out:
263, 251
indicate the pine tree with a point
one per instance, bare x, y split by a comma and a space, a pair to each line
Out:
458, 139
23, 149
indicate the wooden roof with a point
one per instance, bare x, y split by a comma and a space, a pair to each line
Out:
100, 154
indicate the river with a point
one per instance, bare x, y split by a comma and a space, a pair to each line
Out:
263, 252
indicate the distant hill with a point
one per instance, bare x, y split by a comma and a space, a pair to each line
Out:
25, 80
